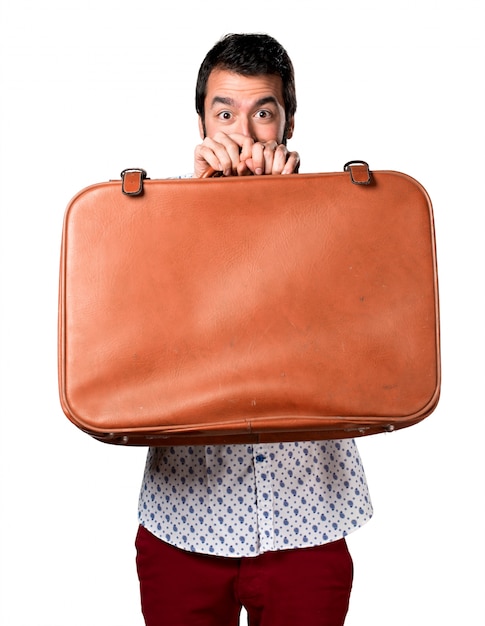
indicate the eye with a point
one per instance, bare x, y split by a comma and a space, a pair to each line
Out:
263, 114
224, 115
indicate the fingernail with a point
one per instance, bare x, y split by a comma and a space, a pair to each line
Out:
259, 171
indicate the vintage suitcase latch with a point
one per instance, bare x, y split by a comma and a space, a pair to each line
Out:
359, 172
132, 181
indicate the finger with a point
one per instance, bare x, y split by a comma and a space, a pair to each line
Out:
243, 169
227, 152
232, 144
205, 158
220, 153
269, 155
292, 163
284, 162
246, 146
256, 159
280, 159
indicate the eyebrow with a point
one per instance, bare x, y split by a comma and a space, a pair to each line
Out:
231, 102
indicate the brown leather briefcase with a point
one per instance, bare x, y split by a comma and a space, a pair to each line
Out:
267, 308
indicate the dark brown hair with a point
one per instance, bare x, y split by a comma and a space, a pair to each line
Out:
249, 55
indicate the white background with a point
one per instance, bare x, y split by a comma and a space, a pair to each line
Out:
89, 88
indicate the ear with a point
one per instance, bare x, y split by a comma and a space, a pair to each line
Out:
201, 128
290, 128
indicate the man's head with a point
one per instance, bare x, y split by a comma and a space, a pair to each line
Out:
250, 56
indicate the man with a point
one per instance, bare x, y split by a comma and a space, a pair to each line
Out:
261, 526
246, 115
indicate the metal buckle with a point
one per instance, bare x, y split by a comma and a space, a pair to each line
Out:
132, 181
359, 172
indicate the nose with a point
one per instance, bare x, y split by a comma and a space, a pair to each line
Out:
244, 126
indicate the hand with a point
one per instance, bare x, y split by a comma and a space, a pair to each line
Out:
272, 158
223, 153
239, 155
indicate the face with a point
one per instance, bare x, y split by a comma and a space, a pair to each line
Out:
249, 105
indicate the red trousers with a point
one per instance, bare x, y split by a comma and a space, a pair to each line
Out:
307, 587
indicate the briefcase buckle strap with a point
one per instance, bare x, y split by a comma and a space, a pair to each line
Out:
359, 172
132, 181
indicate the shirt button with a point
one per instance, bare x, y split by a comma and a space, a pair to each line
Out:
260, 458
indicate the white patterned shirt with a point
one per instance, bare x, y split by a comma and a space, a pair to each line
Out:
243, 500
